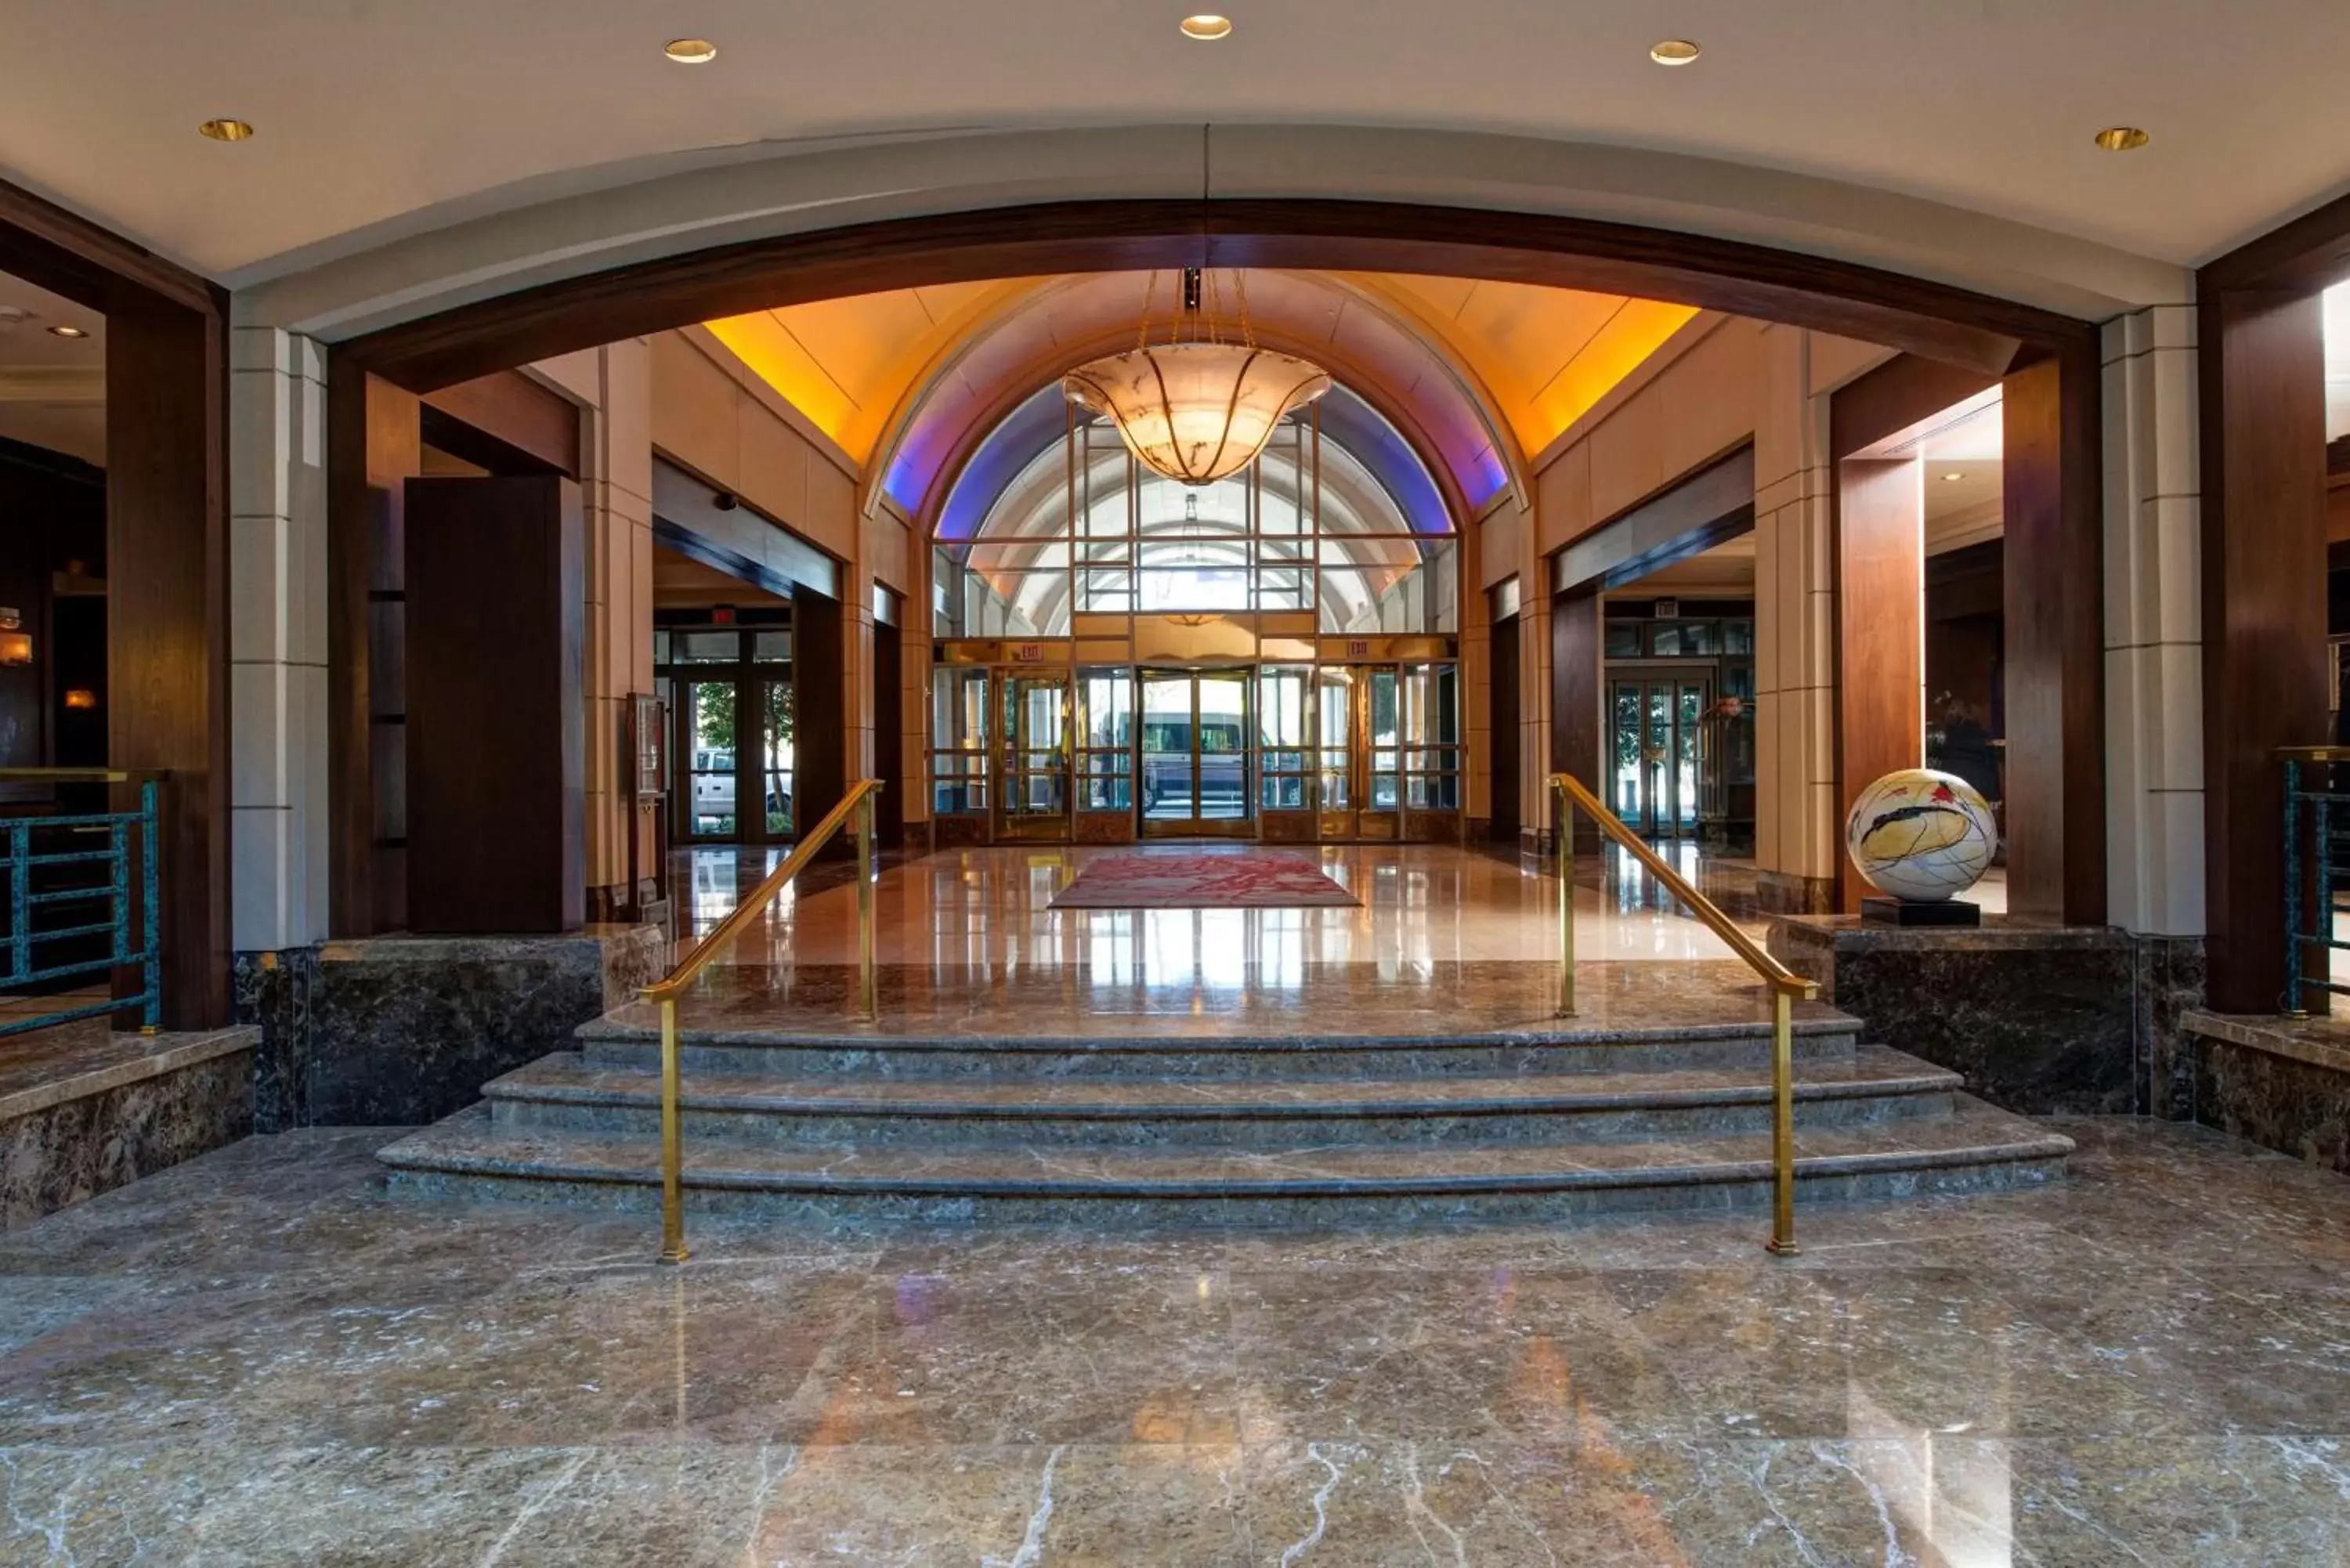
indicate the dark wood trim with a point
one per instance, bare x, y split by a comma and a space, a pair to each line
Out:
1578, 660
1895, 396
2265, 468
167, 620
1880, 608
66, 253
507, 423
2337, 461
373, 440
2053, 654
497, 772
1933, 320
167, 554
2264, 678
2304, 255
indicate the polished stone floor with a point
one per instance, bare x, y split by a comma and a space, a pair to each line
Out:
256, 1358
1420, 903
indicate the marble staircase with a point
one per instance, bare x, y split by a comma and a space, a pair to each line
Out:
1105, 1119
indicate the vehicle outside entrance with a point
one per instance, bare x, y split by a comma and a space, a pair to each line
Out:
714, 792
1167, 761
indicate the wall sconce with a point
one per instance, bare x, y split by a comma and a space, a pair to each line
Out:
16, 643
81, 697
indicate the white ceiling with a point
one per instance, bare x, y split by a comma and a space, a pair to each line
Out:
368, 110
52, 388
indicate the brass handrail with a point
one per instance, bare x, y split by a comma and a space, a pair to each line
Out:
1785, 986
857, 801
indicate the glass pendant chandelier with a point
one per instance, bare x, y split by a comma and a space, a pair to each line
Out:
1198, 407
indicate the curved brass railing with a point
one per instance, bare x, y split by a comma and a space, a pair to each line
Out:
859, 803
1785, 986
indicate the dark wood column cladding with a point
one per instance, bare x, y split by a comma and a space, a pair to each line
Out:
496, 571
1577, 671
820, 630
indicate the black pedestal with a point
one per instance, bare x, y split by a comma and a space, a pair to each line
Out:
1878, 911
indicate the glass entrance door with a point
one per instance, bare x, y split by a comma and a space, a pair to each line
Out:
1357, 708
1194, 764
1033, 801
1656, 763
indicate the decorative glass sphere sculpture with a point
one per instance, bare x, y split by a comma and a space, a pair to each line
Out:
1921, 835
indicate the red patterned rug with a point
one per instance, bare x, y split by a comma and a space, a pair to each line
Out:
1252, 879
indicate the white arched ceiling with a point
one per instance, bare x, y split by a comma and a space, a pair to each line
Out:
428, 258
381, 121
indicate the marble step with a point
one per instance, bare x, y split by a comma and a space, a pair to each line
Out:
564, 1092
622, 1041
1975, 1147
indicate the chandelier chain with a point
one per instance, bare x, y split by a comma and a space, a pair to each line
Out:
1142, 328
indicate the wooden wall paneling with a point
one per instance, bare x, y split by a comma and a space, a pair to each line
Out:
1880, 632
2264, 649
890, 732
373, 448
496, 612
819, 706
507, 423
2053, 655
1506, 721
1577, 666
167, 620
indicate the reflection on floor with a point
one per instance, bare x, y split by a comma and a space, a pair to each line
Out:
1428, 904
256, 1358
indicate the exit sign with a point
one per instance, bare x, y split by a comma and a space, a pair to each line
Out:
1028, 653
1358, 648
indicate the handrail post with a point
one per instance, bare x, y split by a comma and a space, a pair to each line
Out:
672, 1156
867, 991
1564, 828
1782, 1124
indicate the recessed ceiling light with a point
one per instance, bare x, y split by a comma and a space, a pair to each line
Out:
1675, 52
1207, 26
68, 332
225, 130
2122, 139
691, 51
1952, 478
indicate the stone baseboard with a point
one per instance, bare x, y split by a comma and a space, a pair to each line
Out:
1787, 893
95, 1110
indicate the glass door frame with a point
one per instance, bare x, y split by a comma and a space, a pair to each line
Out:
751, 676
1196, 824
1671, 776
1350, 773
1014, 763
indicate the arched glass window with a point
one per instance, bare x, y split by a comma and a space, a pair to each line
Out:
1054, 518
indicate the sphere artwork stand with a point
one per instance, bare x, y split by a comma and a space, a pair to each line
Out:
1922, 839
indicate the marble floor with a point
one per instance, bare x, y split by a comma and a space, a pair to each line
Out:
1424, 904
258, 1358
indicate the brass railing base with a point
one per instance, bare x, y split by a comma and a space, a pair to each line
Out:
1779, 1249
858, 803
1783, 984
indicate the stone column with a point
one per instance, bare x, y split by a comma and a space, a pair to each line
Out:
277, 698
2153, 679
1796, 836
